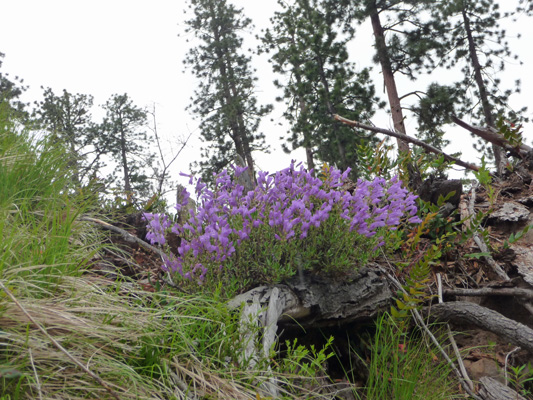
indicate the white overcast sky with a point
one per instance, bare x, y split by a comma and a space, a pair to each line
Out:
103, 47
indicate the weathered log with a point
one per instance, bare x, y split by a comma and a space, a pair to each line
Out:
514, 292
464, 312
320, 301
491, 389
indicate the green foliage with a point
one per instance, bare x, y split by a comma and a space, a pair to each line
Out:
521, 377
10, 91
302, 365
442, 233
376, 160
516, 236
404, 366
319, 82
68, 121
124, 130
484, 177
433, 111
510, 131
224, 100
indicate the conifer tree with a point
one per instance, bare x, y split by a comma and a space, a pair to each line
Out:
320, 82
127, 141
10, 91
472, 39
394, 23
67, 118
224, 101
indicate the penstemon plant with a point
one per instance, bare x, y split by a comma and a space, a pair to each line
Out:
290, 221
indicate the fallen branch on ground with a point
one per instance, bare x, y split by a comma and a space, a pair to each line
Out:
133, 239
514, 292
479, 241
470, 313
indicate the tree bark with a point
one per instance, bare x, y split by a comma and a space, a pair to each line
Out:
319, 301
127, 183
499, 155
463, 312
491, 389
388, 78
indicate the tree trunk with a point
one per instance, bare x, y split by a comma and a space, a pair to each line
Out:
127, 183
237, 127
388, 78
499, 154
331, 110
303, 111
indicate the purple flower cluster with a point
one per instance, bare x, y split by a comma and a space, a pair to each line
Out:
291, 203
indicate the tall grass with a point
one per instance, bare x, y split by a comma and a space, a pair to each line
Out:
405, 367
67, 333
40, 236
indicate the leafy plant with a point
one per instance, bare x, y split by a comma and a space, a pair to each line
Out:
291, 221
404, 366
519, 376
516, 236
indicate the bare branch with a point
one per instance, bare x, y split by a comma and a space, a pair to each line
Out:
408, 139
514, 292
493, 137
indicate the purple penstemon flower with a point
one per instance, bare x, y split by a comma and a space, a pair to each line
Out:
290, 204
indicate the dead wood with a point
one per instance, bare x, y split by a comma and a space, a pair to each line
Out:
491, 389
479, 241
408, 139
493, 137
125, 235
320, 301
463, 312
514, 292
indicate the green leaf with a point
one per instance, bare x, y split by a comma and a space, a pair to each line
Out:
477, 255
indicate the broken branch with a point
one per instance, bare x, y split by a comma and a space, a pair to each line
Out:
408, 139
493, 137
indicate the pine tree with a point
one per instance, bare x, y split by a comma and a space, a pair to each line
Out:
10, 91
125, 130
225, 100
320, 82
472, 39
394, 23
68, 119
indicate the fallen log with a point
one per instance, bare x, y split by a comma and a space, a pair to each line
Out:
464, 312
491, 389
321, 301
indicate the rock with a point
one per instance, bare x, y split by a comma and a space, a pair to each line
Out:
484, 367
524, 261
510, 212
432, 189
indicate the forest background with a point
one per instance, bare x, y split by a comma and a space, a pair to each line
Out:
104, 48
